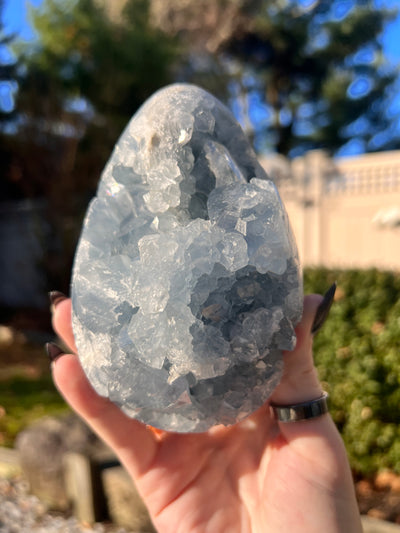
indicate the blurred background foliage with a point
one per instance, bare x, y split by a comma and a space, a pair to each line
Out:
299, 73
78, 85
357, 356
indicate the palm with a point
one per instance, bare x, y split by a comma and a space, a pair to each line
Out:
249, 470
193, 477
256, 476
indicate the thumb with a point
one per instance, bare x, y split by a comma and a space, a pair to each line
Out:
300, 381
299, 384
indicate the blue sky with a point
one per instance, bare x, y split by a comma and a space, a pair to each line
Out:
15, 19
391, 37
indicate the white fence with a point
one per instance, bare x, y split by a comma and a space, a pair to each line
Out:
344, 212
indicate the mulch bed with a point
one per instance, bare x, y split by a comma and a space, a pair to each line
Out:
379, 497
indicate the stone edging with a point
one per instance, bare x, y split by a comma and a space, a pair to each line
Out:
9, 462
373, 525
9, 466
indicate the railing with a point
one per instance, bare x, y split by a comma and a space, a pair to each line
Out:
367, 174
344, 212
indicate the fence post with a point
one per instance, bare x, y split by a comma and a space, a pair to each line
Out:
309, 173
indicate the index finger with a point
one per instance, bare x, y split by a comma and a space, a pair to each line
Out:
62, 323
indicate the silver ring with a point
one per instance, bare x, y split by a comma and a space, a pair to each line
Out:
301, 411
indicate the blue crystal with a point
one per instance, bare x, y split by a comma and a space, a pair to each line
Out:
186, 284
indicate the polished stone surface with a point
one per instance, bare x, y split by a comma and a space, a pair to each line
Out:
186, 283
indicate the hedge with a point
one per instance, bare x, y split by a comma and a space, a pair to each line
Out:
357, 354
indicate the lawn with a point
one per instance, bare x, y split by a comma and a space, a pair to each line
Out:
27, 392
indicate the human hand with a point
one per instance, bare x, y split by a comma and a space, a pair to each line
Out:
259, 475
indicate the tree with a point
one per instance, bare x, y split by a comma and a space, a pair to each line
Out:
8, 75
87, 75
79, 84
308, 74
8, 66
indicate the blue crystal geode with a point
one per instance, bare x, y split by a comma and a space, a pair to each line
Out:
186, 283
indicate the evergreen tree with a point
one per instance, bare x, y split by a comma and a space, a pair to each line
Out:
8, 86
84, 78
8, 67
304, 74
78, 85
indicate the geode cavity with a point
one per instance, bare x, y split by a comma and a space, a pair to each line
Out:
186, 283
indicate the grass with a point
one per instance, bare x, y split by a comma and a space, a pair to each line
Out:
27, 392
24, 400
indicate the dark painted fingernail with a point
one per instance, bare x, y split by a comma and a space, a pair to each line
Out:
55, 298
323, 309
53, 351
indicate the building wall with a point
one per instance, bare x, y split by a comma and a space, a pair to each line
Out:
344, 212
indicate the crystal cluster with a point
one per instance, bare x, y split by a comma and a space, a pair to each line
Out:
186, 283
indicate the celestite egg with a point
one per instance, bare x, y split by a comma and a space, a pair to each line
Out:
186, 284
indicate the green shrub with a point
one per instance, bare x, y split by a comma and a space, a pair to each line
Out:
357, 354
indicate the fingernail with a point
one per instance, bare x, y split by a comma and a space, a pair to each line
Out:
53, 351
55, 298
323, 309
